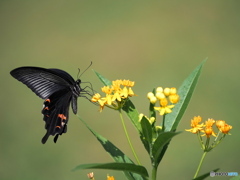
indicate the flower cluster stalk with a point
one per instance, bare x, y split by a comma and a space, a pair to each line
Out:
128, 138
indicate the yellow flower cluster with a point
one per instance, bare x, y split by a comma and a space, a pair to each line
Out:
165, 96
115, 94
207, 127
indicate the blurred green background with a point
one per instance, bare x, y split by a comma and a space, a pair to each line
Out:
155, 43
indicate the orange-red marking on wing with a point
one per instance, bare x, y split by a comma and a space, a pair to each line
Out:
46, 108
62, 116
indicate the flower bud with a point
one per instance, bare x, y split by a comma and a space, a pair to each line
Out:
153, 100
90, 175
159, 89
166, 91
149, 95
160, 95
173, 90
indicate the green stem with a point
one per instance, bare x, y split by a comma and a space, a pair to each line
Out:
128, 138
216, 143
154, 173
200, 164
217, 136
207, 145
201, 141
163, 124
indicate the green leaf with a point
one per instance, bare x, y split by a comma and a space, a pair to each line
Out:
105, 81
205, 175
146, 136
126, 167
132, 114
146, 129
185, 91
162, 140
114, 152
152, 112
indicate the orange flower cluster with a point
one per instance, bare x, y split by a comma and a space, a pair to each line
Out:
207, 127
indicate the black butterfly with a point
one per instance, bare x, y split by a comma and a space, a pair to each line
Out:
58, 89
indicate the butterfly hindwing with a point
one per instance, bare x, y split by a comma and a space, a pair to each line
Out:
55, 114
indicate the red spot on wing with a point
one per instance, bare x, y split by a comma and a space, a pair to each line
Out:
62, 116
47, 100
46, 108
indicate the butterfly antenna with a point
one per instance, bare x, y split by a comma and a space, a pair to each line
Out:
83, 71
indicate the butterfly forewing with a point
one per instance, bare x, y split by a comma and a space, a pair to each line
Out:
58, 89
42, 81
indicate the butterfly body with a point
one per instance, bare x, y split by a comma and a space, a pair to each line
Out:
58, 89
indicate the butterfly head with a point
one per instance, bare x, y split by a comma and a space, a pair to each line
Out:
78, 81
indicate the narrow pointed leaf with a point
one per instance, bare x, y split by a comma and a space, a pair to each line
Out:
132, 114
146, 133
114, 152
105, 81
162, 140
185, 91
205, 175
126, 167
152, 112
146, 129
